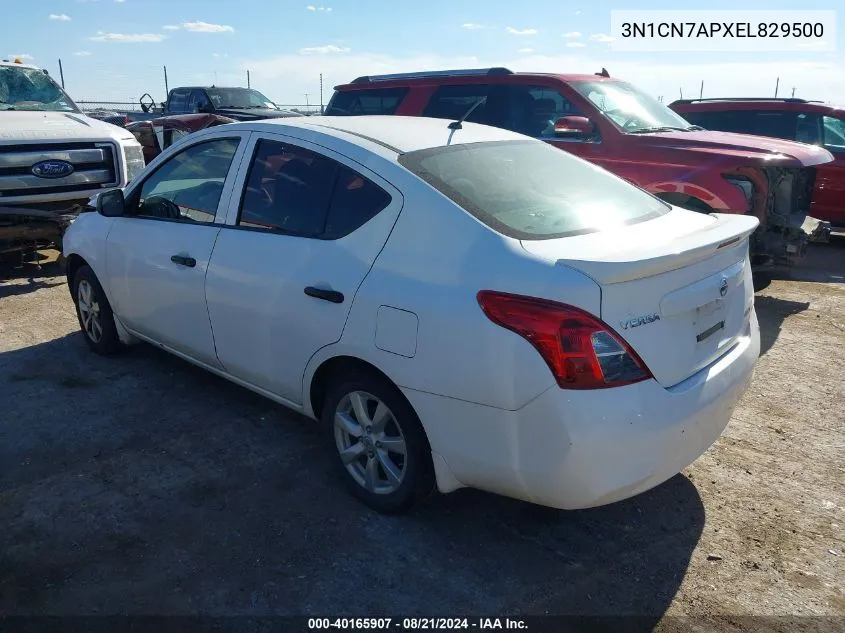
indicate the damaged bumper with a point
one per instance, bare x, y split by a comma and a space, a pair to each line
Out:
781, 204
24, 228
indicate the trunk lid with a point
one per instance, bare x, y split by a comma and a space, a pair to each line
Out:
677, 289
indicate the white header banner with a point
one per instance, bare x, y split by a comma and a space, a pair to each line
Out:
798, 31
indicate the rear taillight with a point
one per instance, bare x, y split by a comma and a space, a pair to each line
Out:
581, 351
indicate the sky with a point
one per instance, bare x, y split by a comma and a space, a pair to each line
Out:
115, 50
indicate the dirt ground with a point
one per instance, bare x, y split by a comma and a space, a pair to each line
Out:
141, 485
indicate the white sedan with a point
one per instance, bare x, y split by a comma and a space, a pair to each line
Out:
458, 305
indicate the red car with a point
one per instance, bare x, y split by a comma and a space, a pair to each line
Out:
157, 135
793, 119
626, 131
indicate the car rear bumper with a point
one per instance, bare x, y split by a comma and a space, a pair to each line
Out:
571, 449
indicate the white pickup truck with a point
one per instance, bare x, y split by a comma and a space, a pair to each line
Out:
53, 158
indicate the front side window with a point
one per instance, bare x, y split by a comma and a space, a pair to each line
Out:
530, 190
630, 109
834, 133
188, 186
31, 89
366, 102
533, 110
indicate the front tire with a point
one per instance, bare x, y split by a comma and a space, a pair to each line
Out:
381, 449
96, 319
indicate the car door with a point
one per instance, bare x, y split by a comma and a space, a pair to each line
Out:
304, 229
157, 254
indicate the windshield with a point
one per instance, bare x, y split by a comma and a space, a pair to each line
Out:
31, 89
530, 190
239, 98
630, 109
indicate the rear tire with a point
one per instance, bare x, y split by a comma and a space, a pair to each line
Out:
380, 447
96, 319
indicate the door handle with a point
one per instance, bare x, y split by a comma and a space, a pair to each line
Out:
190, 262
327, 295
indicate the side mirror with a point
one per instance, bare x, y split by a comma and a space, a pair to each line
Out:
111, 204
574, 126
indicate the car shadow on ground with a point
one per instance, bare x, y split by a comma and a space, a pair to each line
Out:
771, 313
34, 273
139, 484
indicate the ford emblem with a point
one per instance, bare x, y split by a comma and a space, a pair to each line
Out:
723, 288
52, 169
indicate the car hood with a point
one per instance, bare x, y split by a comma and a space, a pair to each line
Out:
782, 153
250, 115
20, 126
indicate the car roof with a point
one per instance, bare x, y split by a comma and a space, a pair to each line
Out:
720, 105
399, 134
462, 77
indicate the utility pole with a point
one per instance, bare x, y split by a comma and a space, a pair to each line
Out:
701, 92
248, 85
321, 93
61, 74
307, 105
166, 87
681, 90
793, 92
777, 84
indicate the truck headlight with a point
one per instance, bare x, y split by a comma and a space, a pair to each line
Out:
134, 156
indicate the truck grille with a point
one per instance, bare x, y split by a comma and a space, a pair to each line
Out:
94, 167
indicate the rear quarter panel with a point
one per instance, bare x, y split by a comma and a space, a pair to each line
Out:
436, 260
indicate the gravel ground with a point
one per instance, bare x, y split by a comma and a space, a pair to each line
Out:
142, 485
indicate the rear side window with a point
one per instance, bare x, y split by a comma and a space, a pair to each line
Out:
362, 102
530, 190
299, 192
356, 200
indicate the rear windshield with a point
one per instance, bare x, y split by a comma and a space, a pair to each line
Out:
530, 190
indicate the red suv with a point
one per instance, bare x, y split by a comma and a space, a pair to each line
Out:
794, 119
626, 131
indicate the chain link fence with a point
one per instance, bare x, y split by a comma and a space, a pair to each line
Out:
135, 107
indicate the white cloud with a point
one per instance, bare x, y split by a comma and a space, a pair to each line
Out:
602, 37
471, 26
120, 1
220, 54
575, 44
61, 17
323, 50
128, 38
578, 12
525, 51
21, 56
514, 31
205, 27
83, 54
572, 34
170, 27
311, 7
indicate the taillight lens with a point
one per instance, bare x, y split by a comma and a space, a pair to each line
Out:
581, 350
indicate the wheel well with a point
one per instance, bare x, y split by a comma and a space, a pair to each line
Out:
73, 263
332, 370
684, 201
